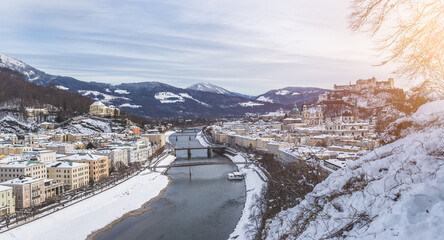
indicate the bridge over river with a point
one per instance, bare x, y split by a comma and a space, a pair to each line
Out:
209, 149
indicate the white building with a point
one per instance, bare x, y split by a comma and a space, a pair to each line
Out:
22, 168
42, 155
138, 152
118, 156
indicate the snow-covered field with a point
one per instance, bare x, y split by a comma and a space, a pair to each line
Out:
264, 99
253, 185
61, 87
168, 97
118, 91
106, 97
79, 220
394, 192
186, 95
282, 92
128, 105
250, 104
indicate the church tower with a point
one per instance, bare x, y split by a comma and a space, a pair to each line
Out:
356, 113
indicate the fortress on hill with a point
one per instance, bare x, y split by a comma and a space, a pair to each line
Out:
366, 83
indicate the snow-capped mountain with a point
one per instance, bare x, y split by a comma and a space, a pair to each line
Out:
290, 95
208, 87
150, 99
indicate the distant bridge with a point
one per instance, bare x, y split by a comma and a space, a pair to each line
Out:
188, 130
208, 148
190, 164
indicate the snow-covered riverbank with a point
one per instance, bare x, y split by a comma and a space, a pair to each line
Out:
81, 219
167, 136
202, 140
254, 185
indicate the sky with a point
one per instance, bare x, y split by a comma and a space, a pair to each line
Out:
247, 46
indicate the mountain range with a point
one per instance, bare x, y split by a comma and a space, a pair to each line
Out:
160, 100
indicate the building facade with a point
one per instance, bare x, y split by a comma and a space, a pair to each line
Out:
98, 165
28, 191
22, 168
7, 201
72, 175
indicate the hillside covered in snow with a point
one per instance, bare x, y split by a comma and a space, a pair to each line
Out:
394, 192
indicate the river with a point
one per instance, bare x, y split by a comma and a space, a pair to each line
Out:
203, 206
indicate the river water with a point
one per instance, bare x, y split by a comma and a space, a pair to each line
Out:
206, 206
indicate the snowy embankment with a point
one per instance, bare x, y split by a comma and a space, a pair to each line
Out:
394, 192
81, 219
167, 136
254, 185
202, 140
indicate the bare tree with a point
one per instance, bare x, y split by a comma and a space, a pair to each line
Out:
412, 35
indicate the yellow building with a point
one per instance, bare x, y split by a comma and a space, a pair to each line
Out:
14, 149
100, 109
73, 175
7, 201
32, 112
98, 165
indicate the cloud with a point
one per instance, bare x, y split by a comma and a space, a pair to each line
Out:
230, 43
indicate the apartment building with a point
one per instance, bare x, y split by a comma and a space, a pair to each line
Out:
9, 149
71, 174
28, 191
117, 156
7, 201
155, 138
22, 168
98, 165
42, 155
138, 152
61, 148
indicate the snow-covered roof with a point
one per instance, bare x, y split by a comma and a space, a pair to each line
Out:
24, 180
65, 164
4, 188
88, 157
97, 103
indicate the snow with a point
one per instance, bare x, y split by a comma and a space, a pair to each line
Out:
201, 140
296, 93
81, 219
89, 126
254, 185
264, 99
129, 105
167, 136
9, 62
61, 87
208, 87
394, 192
118, 91
168, 97
250, 104
106, 97
429, 110
282, 92
186, 95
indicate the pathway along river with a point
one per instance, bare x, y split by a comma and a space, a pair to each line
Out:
207, 206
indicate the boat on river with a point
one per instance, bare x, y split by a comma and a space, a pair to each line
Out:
235, 176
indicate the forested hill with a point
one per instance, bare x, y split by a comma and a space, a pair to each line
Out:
18, 94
